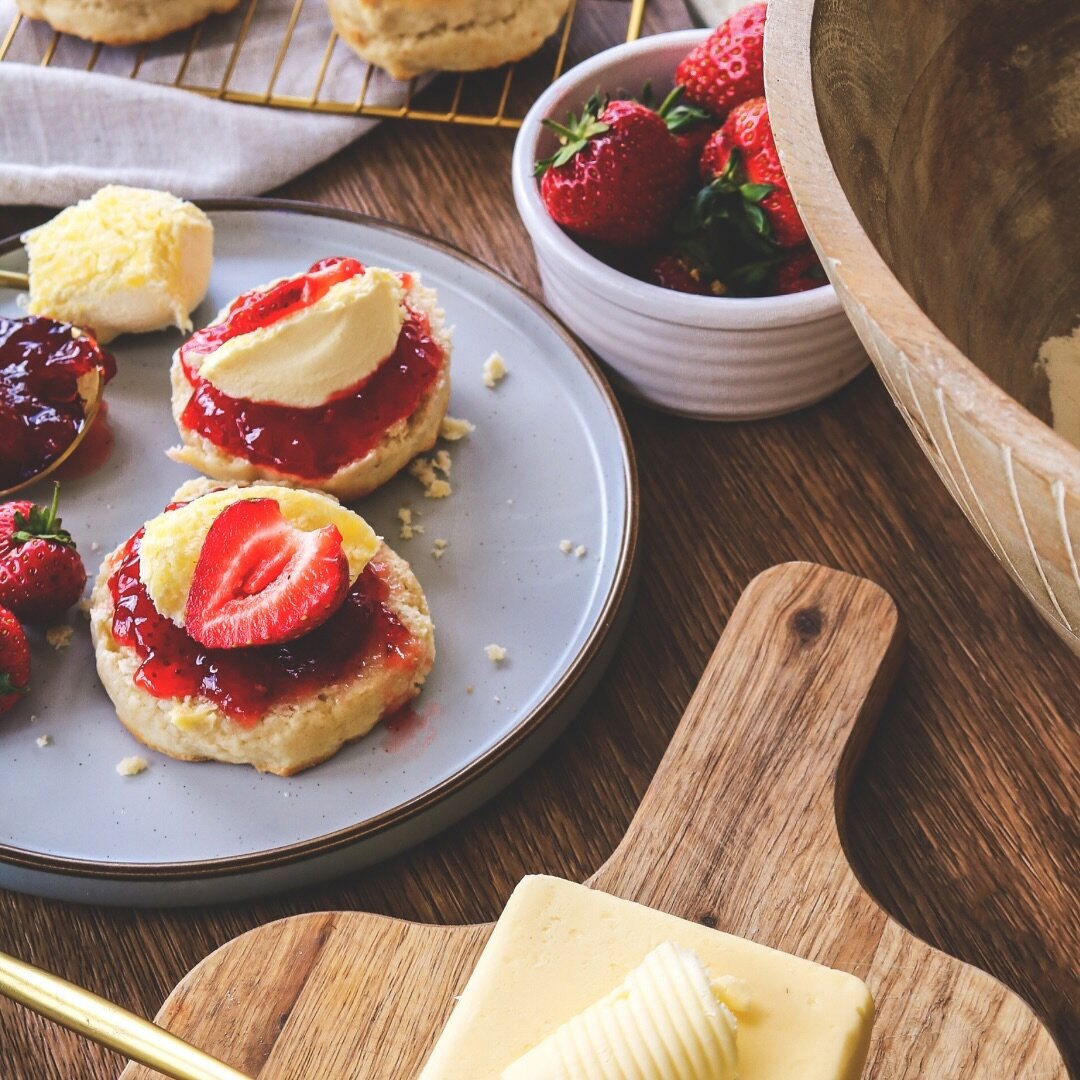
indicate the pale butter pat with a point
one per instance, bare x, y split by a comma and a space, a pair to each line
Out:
560, 947
126, 260
315, 353
664, 1021
172, 542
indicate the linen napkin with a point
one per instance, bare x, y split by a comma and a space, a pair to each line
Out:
66, 132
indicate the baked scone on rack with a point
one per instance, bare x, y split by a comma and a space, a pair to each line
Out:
122, 22
258, 625
411, 37
333, 379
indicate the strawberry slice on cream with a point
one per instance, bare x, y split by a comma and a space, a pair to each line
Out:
260, 580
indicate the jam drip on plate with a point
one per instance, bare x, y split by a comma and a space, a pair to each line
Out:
246, 683
41, 412
309, 443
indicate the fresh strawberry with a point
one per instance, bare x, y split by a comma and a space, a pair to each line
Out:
260, 580
682, 273
8, 526
800, 272
41, 573
14, 661
619, 173
727, 68
742, 166
693, 139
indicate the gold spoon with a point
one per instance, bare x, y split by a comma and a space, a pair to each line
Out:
91, 386
107, 1024
10, 279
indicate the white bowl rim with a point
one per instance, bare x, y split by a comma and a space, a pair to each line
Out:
735, 311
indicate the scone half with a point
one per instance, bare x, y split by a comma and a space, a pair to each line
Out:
122, 22
411, 37
295, 733
397, 446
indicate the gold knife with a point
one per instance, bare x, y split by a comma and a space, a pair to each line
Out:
107, 1024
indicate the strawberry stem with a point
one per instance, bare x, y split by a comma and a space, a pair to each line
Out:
8, 687
42, 524
575, 134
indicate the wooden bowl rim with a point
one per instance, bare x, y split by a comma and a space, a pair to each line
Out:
849, 254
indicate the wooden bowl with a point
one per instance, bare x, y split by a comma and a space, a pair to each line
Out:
933, 150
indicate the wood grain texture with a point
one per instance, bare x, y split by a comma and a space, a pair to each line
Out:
935, 170
738, 829
962, 816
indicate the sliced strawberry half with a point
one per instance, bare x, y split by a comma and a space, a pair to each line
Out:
260, 580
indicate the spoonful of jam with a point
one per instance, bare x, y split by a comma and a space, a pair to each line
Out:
51, 380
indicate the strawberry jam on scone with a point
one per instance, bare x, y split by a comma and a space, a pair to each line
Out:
259, 625
334, 378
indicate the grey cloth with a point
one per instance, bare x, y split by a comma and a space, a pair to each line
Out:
67, 132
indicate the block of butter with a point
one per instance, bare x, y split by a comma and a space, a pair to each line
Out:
126, 260
559, 948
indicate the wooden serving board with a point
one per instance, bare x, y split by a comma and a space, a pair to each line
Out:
738, 830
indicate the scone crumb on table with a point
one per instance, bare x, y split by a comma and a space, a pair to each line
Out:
132, 766
581, 551
495, 653
566, 546
43, 741
494, 370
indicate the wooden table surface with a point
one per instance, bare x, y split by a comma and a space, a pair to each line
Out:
963, 818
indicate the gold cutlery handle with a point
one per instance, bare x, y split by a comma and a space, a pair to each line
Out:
9, 279
107, 1024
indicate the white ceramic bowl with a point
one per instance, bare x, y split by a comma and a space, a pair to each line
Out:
716, 358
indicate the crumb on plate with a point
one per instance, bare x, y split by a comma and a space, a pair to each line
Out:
439, 549
59, 637
43, 741
580, 551
495, 653
494, 370
132, 766
451, 430
409, 528
424, 470
566, 546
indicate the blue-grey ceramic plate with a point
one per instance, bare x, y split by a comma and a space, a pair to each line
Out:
549, 461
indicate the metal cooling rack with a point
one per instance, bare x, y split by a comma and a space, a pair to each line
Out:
217, 59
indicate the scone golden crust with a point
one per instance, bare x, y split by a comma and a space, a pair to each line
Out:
291, 736
122, 22
410, 37
400, 443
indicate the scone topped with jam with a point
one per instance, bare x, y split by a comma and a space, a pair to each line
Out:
259, 625
333, 379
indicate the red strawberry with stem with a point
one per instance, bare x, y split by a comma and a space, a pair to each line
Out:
260, 580
746, 183
41, 572
619, 172
727, 68
799, 272
14, 661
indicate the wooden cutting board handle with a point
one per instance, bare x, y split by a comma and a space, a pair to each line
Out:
738, 829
